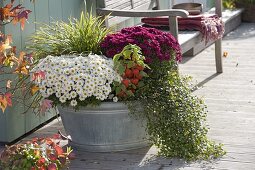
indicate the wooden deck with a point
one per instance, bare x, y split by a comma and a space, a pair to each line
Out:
230, 97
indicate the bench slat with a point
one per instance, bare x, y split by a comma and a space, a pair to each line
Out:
118, 4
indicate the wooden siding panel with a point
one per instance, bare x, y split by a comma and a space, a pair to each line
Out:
30, 25
41, 12
71, 9
55, 10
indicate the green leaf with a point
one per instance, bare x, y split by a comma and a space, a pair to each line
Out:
130, 64
118, 90
143, 74
121, 69
123, 87
133, 86
127, 54
130, 93
141, 84
116, 58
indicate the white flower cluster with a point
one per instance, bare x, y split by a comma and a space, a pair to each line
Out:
72, 77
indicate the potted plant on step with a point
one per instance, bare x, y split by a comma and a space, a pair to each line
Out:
87, 87
141, 70
87, 90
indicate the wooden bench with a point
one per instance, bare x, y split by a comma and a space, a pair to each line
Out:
144, 8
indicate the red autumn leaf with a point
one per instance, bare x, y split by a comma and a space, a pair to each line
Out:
40, 75
17, 8
52, 157
41, 162
24, 14
58, 150
52, 166
8, 96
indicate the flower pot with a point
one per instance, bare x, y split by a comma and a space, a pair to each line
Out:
105, 128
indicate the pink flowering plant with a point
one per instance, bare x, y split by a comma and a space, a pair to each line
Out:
154, 44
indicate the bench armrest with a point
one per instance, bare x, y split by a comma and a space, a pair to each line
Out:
171, 13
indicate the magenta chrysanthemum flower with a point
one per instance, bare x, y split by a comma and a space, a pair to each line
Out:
154, 43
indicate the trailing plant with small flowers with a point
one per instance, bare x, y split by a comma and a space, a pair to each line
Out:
37, 154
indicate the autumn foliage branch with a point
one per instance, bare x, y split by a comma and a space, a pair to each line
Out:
14, 67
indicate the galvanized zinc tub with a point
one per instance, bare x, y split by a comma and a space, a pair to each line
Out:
105, 128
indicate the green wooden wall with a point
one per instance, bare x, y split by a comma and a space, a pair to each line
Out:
43, 11
12, 123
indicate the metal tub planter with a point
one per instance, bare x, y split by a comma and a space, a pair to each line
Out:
105, 128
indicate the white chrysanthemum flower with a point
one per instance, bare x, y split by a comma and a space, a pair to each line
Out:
73, 103
68, 96
58, 85
73, 71
73, 94
58, 95
79, 91
67, 71
115, 99
82, 98
62, 99
50, 91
